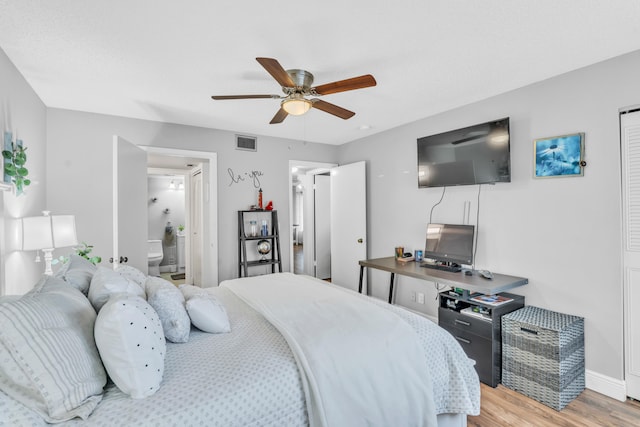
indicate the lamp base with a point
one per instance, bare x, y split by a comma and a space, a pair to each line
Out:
48, 257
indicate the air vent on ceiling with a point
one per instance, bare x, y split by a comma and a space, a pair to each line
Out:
248, 143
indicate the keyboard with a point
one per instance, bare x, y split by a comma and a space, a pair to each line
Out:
450, 268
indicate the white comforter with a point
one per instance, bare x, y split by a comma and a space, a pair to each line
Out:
361, 364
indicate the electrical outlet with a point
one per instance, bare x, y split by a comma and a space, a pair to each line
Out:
420, 298
413, 296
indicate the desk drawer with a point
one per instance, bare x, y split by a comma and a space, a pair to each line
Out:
478, 349
452, 319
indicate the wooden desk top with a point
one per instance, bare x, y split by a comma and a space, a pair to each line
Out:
473, 283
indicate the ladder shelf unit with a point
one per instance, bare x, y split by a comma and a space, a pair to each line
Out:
245, 237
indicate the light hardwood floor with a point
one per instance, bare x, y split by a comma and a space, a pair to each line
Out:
504, 407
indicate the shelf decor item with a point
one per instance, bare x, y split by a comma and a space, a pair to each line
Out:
14, 160
559, 156
264, 247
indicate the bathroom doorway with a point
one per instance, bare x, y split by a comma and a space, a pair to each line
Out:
200, 203
168, 209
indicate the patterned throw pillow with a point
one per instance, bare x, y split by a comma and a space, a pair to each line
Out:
168, 302
48, 358
77, 272
132, 273
129, 337
206, 312
107, 282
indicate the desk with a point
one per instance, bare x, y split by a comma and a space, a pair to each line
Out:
474, 283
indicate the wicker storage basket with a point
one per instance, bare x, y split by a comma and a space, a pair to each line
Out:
543, 355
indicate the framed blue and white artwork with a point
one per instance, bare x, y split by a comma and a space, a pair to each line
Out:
559, 156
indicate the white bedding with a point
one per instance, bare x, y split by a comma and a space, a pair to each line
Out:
358, 360
249, 377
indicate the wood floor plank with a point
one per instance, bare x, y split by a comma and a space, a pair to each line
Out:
504, 407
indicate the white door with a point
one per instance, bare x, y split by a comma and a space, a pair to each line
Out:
348, 223
630, 135
129, 205
322, 203
195, 254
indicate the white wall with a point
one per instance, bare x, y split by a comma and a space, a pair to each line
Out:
79, 175
22, 113
563, 234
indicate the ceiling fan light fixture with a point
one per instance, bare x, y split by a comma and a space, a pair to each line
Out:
296, 106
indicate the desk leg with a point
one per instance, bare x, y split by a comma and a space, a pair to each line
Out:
361, 273
393, 276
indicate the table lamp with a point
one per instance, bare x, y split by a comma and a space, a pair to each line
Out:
46, 233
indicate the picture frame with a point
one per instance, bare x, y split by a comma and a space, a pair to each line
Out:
559, 156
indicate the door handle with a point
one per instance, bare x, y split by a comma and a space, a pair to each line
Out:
360, 240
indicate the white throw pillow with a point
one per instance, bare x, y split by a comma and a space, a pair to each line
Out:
206, 312
131, 343
168, 302
106, 282
48, 358
77, 272
132, 273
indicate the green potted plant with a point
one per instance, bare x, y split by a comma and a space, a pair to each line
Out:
14, 162
83, 250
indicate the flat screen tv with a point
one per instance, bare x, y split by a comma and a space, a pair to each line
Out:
478, 154
450, 243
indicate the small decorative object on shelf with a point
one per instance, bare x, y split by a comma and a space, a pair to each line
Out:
264, 247
264, 230
260, 199
269, 206
253, 228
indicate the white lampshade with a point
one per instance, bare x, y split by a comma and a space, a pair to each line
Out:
64, 231
36, 233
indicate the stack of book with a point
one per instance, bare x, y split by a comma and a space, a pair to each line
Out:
492, 300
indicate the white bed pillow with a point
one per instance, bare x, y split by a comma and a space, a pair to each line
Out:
131, 343
206, 312
168, 302
132, 273
48, 358
106, 282
77, 272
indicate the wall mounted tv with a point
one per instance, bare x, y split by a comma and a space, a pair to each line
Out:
478, 154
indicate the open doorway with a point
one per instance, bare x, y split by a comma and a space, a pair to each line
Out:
200, 232
310, 218
169, 206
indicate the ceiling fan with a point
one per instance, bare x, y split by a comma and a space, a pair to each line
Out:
296, 85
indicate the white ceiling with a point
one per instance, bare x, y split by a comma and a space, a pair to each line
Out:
163, 59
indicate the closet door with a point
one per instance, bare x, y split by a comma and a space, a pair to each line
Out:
630, 140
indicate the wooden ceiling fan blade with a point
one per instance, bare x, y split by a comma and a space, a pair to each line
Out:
279, 117
344, 85
274, 68
327, 107
224, 97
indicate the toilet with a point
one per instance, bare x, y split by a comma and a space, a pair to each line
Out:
154, 256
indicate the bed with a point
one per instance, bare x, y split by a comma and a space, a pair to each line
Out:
262, 373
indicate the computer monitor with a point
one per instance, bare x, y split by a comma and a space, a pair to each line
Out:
450, 243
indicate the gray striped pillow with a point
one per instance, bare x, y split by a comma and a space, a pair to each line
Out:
48, 358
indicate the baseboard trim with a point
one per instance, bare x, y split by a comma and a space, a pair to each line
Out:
616, 389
